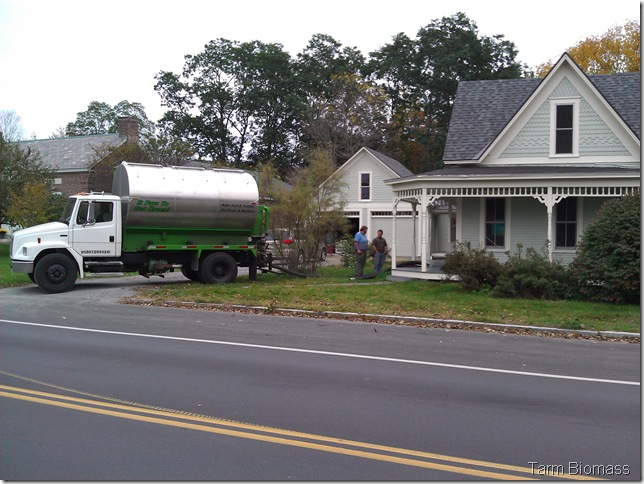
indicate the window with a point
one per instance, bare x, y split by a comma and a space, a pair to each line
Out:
83, 213
103, 212
95, 212
563, 130
495, 222
564, 122
566, 223
365, 186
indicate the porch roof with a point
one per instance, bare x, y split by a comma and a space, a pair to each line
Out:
480, 172
541, 182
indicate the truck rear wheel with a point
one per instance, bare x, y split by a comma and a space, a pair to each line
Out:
55, 273
218, 268
190, 274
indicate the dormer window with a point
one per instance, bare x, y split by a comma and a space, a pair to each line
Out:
564, 131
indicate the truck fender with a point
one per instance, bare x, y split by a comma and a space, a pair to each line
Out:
79, 261
62, 248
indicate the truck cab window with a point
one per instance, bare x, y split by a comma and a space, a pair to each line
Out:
103, 212
83, 213
69, 210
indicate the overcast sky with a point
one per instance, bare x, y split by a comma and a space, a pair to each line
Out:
56, 56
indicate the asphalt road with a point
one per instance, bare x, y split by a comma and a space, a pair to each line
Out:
91, 390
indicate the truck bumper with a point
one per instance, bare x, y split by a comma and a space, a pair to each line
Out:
22, 266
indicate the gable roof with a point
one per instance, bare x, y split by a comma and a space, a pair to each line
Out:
394, 165
482, 109
397, 169
76, 153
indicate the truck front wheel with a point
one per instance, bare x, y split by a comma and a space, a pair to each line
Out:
218, 268
55, 273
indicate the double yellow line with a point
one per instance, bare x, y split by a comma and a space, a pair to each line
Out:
476, 468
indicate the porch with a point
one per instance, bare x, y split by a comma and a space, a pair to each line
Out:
414, 270
529, 200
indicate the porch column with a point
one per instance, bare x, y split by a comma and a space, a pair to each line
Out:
424, 229
550, 200
550, 243
414, 232
393, 236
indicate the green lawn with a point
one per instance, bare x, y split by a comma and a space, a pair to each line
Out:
334, 290
7, 278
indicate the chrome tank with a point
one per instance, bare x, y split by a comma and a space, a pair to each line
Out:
185, 197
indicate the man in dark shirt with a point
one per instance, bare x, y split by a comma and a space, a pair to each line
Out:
380, 251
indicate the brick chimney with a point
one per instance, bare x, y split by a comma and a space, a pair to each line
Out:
129, 127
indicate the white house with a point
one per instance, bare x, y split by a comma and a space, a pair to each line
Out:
527, 161
368, 197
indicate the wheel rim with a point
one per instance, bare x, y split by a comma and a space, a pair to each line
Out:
56, 273
219, 270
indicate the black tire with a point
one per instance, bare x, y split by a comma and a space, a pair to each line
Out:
218, 268
190, 274
31, 276
55, 273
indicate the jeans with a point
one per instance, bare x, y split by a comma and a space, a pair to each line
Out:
378, 261
361, 258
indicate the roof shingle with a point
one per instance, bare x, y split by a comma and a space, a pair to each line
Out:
77, 153
483, 108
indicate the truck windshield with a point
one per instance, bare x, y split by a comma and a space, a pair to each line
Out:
67, 213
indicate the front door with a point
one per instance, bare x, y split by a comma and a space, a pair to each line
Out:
93, 231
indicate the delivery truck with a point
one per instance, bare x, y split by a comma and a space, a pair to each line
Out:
205, 222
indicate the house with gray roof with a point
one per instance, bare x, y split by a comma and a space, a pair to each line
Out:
527, 162
85, 163
368, 197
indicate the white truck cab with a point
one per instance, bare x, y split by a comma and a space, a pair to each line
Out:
89, 227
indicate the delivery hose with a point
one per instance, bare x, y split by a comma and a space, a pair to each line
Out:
290, 271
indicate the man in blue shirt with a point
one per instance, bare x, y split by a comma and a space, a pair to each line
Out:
361, 244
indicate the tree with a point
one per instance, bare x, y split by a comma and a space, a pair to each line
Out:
235, 103
165, 149
616, 50
10, 126
350, 114
324, 59
34, 204
17, 168
607, 264
310, 210
101, 118
422, 75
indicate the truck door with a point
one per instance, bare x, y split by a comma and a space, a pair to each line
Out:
94, 229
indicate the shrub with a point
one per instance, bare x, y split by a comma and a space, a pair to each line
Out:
531, 275
348, 255
476, 268
607, 264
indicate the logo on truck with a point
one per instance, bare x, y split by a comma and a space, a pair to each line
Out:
151, 206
